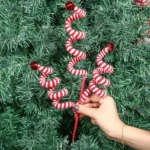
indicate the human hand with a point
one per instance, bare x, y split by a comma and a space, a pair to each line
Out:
103, 112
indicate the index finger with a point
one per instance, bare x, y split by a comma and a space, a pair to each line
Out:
93, 98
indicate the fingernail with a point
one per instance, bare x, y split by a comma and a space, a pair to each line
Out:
76, 108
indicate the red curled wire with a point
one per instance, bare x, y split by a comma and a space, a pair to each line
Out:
52, 84
97, 78
75, 35
79, 55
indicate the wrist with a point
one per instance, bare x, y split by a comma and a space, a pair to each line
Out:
117, 132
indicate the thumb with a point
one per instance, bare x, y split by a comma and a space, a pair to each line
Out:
87, 111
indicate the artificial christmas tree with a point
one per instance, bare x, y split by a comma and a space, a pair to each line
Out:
34, 30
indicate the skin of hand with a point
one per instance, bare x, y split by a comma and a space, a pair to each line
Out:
103, 112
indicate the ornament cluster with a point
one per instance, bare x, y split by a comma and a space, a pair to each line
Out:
78, 56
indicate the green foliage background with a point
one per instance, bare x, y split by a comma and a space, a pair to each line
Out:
34, 30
